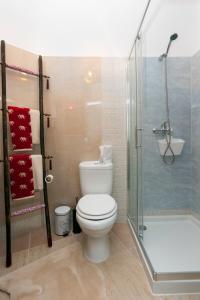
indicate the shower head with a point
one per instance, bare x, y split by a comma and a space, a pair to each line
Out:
173, 37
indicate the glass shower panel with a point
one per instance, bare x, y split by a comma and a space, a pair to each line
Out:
167, 196
132, 151
139, 133
135, 140
164, 109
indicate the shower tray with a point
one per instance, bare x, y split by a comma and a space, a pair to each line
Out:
170, 253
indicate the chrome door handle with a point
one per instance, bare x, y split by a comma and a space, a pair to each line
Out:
137, 144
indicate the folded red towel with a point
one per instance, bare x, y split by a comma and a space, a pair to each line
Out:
20, 128
21, 176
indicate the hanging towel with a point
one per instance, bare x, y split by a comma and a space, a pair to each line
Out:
21, 177
35, 125
37, 172
20, 128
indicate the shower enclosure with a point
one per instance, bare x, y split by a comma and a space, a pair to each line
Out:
164, 145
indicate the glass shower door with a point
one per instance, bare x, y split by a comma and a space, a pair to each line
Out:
132, 151
139, 133
135, 140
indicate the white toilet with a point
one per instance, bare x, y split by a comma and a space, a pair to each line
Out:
96, 211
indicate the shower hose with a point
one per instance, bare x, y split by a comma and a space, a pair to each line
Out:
169, 160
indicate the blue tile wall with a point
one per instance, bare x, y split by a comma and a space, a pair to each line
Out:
195, 114
167, 187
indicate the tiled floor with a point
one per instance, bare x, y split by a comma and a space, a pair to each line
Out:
63, 273
32, 246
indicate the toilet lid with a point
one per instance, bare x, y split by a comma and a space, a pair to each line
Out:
97, 218
96, 205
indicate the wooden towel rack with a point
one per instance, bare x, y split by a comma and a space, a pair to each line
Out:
5, 159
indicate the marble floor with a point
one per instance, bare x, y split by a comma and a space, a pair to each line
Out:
62, 272
30, 246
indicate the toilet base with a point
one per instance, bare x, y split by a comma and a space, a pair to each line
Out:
97, 249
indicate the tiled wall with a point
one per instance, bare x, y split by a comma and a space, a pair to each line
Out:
87, 100
86, 113
76, 109
166, 188
195, 97
114, 125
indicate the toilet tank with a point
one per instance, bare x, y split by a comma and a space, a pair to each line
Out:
96, 177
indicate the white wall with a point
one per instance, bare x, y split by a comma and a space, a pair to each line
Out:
167, 17
103, 28
71, 27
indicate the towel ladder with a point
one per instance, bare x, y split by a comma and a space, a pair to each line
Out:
26, 210
5, 159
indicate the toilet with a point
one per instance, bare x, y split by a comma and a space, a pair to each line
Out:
96, 211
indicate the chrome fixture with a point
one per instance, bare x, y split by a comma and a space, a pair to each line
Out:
166, 126
142, 227
140, 26
138, 141
173, 37
164, 129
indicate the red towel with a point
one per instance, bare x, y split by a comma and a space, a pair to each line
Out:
20, 128
21, 176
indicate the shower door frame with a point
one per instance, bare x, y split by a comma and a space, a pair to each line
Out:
134, 149
183, 277
136, 101
137, 230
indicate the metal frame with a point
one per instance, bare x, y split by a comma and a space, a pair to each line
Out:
140, 26
5, 160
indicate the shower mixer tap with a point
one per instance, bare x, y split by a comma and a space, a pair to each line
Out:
163, 130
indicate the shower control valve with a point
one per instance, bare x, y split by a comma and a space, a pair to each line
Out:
163, 130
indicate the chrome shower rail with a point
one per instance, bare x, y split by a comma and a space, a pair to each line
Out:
140, 26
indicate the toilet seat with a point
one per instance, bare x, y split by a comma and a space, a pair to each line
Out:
96, 206
96, 218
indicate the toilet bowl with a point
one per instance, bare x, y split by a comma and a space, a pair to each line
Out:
96, 214
96, 211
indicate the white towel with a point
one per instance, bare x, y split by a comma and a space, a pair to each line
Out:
35, 125
105, 153
37, 172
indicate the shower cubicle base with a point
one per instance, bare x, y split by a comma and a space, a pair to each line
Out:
170, 253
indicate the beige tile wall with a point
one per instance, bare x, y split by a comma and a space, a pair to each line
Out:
76, 131
87, 102
86, 115
114, 125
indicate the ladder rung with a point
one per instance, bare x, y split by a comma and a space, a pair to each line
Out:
27, 210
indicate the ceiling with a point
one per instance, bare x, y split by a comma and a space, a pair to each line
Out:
103, 28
